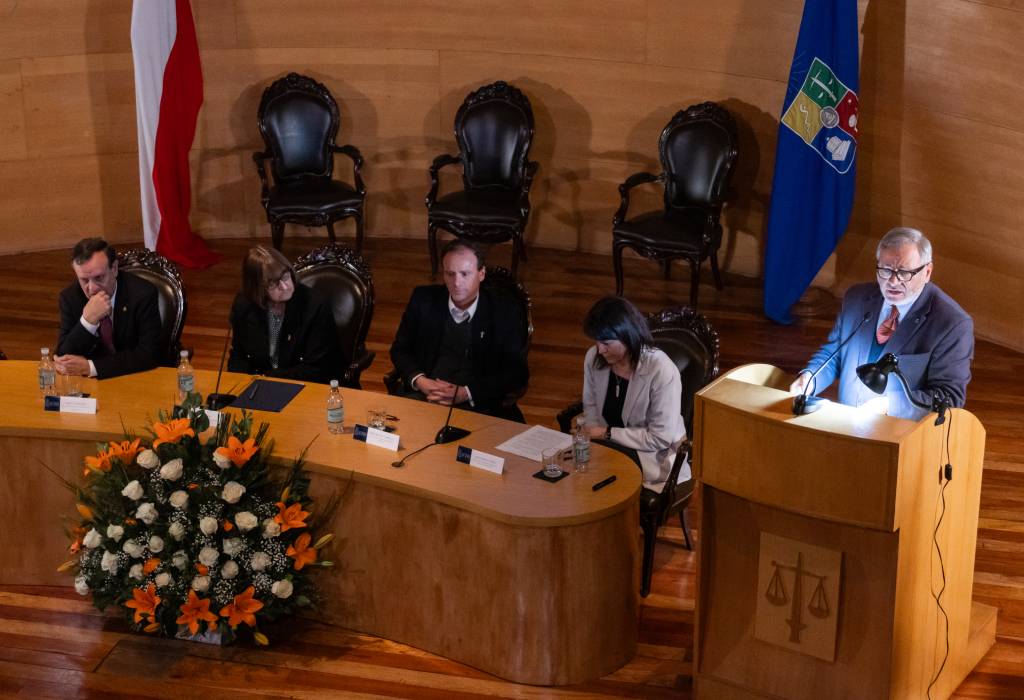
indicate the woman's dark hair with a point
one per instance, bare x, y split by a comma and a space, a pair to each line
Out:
260, 267
615, 318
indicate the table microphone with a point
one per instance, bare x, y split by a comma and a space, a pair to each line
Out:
449, 433
217, 401
803, 403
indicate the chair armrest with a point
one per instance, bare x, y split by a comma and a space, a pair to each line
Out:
258, 157
354, 370
357, 165
394, 382
439, 162
565, 417
631, 182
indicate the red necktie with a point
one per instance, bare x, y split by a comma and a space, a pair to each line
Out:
107, 334
889, 326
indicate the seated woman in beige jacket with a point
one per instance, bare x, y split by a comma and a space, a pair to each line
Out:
632, 393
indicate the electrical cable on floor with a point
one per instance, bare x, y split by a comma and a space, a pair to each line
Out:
945, 475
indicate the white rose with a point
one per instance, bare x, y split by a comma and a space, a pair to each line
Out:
133, 490
208, 556
271, 528
156, 544
233, 546
147, 459
230, 569
176, 530
282, 588
179, 499
246, 521
163, 579
232, 492
208, 525
115, 532
146, 513
200, 584
259, 561
92, 539
222, 461
81, 587
136, 572
109, 563
180, 559
172, 470
132, 548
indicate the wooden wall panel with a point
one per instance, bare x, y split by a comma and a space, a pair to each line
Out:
64, 27
12, 112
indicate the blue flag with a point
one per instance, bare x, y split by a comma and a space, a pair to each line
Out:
812, 193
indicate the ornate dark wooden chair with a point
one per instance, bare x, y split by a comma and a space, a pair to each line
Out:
343, 277
299, 120
698, 154
164, 275
690, 341
2, 355
500, 280
494, 129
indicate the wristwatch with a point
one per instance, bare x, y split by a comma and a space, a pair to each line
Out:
608, 433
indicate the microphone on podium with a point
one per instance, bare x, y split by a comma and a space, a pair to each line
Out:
803, 403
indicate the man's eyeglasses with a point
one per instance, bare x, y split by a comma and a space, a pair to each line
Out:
886, 273
280, 282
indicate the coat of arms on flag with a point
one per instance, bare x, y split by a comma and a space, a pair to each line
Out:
824, 114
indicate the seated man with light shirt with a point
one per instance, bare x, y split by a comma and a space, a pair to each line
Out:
906, 315
109, 322
460, 343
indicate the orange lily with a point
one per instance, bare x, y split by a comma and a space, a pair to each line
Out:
227, 525
301, 552
124, 450
172, 431
292, 516
150, 565
99, 463
84, 510
202, 569
237, 451
144, 602
78, 533
242, 609
194, 610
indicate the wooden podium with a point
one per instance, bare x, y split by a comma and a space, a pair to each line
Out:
817, 570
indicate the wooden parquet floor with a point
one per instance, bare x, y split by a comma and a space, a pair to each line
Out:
54, 645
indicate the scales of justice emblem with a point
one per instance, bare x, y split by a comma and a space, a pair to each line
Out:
798, 595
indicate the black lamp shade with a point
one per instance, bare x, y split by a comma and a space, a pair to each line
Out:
875, 375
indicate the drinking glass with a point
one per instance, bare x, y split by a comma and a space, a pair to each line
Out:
551, 460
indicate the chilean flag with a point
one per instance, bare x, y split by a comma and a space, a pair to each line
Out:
168, 94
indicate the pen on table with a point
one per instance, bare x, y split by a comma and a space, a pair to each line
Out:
255, 388
601, 484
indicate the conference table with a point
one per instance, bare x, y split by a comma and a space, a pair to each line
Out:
532, 581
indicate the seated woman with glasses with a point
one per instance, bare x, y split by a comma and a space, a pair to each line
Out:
632, 393
281, 328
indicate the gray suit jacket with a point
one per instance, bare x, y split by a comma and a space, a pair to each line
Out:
934, 345
651, 413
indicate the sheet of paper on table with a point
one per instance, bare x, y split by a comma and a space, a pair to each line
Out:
530, 443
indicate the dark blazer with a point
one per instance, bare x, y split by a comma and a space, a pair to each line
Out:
498, 351
934, 345
308, 347
136, 318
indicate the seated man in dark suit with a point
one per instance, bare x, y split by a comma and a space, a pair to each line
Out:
902, 313
460, 343
109, 322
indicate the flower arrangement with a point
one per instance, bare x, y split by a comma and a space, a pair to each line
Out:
187, 534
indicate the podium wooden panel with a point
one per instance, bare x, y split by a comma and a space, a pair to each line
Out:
865, 487
530, 581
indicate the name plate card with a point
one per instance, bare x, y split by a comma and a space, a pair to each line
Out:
69, 404
480, 460
372, 436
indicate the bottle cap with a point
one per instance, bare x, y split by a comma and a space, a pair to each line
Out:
334, 383
44, 351
183, 353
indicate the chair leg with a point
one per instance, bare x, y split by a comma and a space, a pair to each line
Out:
617, 265
715, 271
516, 244
359, 232
649, 524
694, 282
666, 266
686, 530
520, 236
277, 234
432, 244
330, 232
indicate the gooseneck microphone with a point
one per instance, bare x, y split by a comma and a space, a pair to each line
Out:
216, 401
804, 404
449, 433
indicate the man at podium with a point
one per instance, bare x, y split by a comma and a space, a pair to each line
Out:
906, 315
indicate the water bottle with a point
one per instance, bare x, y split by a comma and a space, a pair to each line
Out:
47, 374
581, 446
335, 410
186, 378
